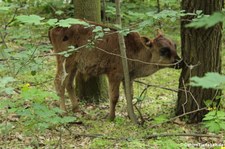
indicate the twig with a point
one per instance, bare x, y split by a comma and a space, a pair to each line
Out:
3, 40
137, 60
186, 96
184, 114
28, 61
100, 136
140, 114
13, 18
181, 134
6, 59
145, 89
157, 86
146, 137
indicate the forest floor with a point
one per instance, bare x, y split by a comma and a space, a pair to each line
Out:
91, 129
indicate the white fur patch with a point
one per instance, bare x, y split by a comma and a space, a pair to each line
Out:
64, 73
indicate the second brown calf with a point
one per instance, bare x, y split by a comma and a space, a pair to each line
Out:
145, 57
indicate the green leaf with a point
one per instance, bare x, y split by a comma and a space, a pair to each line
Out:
213, 126
147, 22
37, 95
30, 19
43, 126
9, 90
207, 118
207, 21
4, 85
210, 80
208, 103
106, 29
4, 9
71, 21
57, 110
52, 22
55, 120
68, 119
97, 29
59, 12
6, 80
6, 129
221, 114
4, 103
222, 125
125, 31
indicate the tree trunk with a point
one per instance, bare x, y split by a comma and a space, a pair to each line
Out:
201, 50
91, 89
88, 9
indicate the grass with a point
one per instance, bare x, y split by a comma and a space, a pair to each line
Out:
92, 130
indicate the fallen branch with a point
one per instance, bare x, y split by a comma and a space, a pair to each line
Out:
146, 137
100, 136
182, 135
184, 114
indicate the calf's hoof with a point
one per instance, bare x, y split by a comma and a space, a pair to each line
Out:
75, 109
63, 108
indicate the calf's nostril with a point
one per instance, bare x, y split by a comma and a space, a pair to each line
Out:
179, 64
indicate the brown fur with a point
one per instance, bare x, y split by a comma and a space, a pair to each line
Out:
95, 61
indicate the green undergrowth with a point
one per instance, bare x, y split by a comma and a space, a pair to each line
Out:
91, 129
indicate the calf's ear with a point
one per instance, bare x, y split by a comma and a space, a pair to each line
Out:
146, 41
159, 33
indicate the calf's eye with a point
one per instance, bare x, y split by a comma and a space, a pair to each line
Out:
65, 38
165, 51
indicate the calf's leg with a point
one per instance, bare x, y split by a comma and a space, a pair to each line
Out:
62, 79
60, 88
113, 96
71, 90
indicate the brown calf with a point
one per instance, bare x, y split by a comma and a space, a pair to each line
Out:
144, 58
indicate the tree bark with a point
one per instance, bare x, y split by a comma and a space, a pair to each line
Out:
91, 89
201, 51
88, 9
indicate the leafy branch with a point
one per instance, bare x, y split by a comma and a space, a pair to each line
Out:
207, 21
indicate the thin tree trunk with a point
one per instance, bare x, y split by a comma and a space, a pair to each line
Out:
201, 50
91, 89
127, 82
103, 13
159, 10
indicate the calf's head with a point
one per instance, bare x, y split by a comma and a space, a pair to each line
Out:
164, 52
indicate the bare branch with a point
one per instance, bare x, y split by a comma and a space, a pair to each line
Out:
157, 86
182, 115
182, 134
137, 60
146, 137
13, 18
